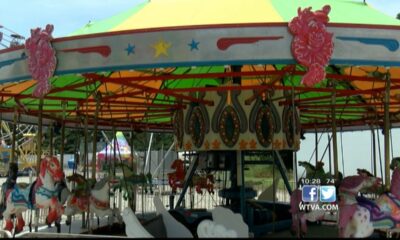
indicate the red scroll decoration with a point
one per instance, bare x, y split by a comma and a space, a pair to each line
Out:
41, 58
312, 45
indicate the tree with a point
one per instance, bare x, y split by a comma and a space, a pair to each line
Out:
398, 16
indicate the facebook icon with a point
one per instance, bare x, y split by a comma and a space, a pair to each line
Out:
310, 193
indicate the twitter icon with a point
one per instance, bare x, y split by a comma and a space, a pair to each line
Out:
327, 193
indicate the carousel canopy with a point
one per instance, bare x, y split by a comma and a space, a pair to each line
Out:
142, 65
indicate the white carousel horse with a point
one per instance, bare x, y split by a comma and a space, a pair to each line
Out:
225, 224
96, 198
40, 194
359, 217
133, 227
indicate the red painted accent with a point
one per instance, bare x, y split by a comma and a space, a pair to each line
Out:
41, 58
103, 50
225, 43
99, 204
312, 45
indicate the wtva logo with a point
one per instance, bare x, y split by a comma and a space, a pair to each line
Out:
326, 193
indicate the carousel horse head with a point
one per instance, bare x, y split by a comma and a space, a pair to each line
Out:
363, 182
177, 164
307, 165
43, 193
52, 166
395, 163
319, 165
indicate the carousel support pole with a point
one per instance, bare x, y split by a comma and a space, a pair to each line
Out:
94, 139
51, 152
85, 167
39, 153
316, 146
14, 134
132, 202
330, 154
334, 135
114, 158
64, 105
373, 150
386, 131
98, 100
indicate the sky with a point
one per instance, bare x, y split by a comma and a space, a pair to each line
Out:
67, 16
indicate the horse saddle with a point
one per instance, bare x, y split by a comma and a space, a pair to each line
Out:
81, 193
370, 205
23, 185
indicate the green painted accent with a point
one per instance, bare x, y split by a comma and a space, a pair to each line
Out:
109, 23
57, 82
342, 11
384, 223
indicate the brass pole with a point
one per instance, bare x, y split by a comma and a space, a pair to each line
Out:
373, 151
316, 146
38, 153
386, 131
14, 134
98, 99
64, 105
85, 170
51, 152
134, 169
334, 135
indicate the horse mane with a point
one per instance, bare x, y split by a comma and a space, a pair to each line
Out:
364, 172
395, 163
307, 164
43, 166
78, 178
177, 164
351, 182
100, 184
395, 184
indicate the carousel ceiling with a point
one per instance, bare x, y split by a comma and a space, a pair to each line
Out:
135, 69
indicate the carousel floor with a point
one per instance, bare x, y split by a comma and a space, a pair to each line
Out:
76, 230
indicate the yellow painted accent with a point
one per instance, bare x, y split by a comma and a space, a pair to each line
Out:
161, 47
161, 13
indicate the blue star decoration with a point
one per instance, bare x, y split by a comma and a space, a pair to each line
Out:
194, 45
130, 49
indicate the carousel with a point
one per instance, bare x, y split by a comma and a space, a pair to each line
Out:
233, 83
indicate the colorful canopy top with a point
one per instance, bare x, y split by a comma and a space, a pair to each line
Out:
161, 55
161, 13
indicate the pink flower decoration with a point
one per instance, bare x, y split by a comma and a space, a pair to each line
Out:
312, 45
41, 58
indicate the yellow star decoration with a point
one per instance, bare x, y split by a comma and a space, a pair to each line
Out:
253, 144
206, 145
277, 144
243, 144
161, 48
215, 144
188, 145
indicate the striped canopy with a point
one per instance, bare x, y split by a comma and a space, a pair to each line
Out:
145, 96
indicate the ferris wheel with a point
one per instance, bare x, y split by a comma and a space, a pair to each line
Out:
25, 143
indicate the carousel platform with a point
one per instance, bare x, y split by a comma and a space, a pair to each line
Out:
75, 230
